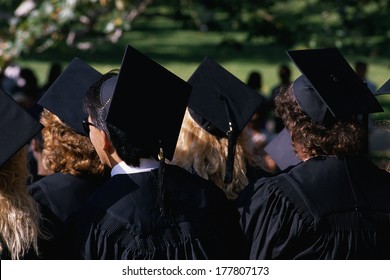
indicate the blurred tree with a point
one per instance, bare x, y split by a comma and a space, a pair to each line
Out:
40, 24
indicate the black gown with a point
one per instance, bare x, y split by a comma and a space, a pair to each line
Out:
324, 208
122, 220
58, 196
5, 254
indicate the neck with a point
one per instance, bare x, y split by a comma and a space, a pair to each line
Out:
41, 170
113, 159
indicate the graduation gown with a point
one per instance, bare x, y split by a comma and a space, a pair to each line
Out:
122, 220
58, 196
324, 208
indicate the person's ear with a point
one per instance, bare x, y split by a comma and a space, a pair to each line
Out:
107, 146
34, 145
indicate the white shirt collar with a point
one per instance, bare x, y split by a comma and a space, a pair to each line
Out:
146, 165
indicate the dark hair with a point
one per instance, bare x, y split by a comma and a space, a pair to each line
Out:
360, 65
361, 68
54, 72
93, 104
284, 73
128, 151
255, 80
311, 138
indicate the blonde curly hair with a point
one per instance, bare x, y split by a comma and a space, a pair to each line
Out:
201, 152
65, 151
19, 215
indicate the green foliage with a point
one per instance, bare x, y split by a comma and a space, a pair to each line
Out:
47, 23
357, 25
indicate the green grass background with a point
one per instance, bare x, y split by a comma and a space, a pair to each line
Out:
181, 51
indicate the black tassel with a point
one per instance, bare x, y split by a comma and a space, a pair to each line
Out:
230, 157
161, 171
232, 140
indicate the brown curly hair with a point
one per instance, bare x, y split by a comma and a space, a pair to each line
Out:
19, 215
200, 151
311, 138
65, 151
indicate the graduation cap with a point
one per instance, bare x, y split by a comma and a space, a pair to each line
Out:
65, 97
281, 150
146, 101
222, 104
329, 88
384, 89
17, 127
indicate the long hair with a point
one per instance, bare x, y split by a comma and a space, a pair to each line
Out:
204, 154
65, 151
311, 138
19, 215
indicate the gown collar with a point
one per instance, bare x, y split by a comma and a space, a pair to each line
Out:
146, 165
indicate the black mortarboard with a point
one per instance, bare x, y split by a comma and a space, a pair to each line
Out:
281, 150
222, 104
329, 88
384, 89
148, 102
17, 127
65, 97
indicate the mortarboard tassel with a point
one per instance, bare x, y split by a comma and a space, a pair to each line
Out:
230, 157
161, 169
232, 140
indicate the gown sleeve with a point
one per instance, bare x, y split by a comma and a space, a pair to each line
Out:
269, 221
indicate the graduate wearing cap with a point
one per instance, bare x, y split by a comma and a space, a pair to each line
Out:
68, 153
213, 141
19, 216
335, 204
149, 209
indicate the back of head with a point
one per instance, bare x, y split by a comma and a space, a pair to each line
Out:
311, 138
29, 83
54, 72
65, 96
19, 213
206, 154
222, 105
284, 74
125, 99
361, 69
254, 80
127, 150
321, 107
66, 151
19, 217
